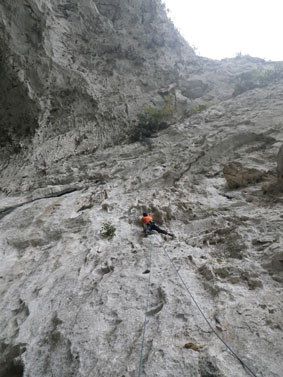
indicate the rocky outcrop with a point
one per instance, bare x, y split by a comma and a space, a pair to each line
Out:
65, 60
238, 176
74, 184
77, 75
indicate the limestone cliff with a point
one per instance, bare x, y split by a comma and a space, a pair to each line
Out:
106, 112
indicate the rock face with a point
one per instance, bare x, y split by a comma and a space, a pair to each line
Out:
280, 167
78, 80
238, 176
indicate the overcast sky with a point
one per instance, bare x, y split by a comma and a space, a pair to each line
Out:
223, 28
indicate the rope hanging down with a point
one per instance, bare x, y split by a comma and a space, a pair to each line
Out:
145, 314
207, 321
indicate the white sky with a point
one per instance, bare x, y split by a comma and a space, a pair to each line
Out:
223, 28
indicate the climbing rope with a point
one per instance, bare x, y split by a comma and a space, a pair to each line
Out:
207, 321
145, 314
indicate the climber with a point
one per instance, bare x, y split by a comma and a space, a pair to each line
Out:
149, 225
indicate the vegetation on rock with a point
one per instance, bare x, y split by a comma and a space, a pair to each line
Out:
152, 120
108, 230
257, 78
197, 109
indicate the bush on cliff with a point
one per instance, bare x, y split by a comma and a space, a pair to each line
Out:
257, 78
152, 120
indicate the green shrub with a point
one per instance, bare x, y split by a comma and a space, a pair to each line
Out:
197, 109
258, 78
152, 120
108, 230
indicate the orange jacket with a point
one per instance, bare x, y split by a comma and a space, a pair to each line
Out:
146, 219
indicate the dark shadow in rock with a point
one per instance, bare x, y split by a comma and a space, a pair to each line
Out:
20, 122
208, 369
107, 268
11, 364
146, 271
155, 310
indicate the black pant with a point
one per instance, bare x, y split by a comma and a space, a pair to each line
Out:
151, 226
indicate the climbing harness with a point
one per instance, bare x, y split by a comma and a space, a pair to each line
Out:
244, 365
145, 314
